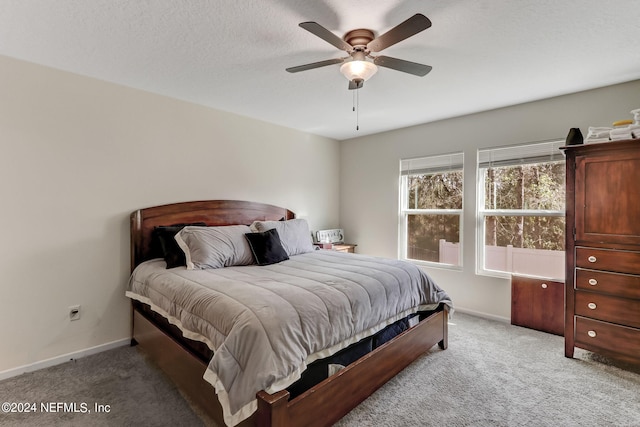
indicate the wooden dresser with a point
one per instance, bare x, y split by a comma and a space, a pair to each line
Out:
537, 303
602, 311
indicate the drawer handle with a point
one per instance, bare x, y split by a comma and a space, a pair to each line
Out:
592, 305
592, 259
544, 286
592, 334
593, 282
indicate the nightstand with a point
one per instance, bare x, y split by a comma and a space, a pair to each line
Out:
344, 247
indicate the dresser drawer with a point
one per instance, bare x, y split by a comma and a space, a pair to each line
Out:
609, 260
594, 334
623, 285
611, 309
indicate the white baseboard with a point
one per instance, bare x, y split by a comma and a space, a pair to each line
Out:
481, 314
62, 359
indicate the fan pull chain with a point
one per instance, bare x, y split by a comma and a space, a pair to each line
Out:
356, 107
353, 102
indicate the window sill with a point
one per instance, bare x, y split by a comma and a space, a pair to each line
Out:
440, 266
507, 275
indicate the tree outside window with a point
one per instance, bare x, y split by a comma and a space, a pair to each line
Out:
431, 209
521, 209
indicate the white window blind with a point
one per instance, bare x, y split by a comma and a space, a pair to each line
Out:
432, 164
537, 152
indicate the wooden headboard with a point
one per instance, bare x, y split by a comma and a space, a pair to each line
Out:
211, 212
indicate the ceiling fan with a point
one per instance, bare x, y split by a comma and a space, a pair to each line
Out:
360, 65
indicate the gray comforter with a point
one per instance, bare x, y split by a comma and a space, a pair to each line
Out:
266, 323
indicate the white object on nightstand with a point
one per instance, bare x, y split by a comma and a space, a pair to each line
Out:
335, 235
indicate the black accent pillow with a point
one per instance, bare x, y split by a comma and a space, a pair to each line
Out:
167, 246
266, 247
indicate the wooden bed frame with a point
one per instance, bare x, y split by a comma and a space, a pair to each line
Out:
322, 405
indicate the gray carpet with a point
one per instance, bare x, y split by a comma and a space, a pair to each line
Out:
136, 392
493, 374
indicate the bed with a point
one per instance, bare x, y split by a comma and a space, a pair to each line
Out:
291, 396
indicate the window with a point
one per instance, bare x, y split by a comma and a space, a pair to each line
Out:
521, 210
431, 209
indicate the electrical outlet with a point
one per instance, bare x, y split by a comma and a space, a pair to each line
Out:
74, 312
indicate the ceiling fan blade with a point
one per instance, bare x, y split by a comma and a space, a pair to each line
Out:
404, 30
315, 65
326, 35
402, 65
355, 84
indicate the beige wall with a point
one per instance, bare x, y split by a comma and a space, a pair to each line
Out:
78, 155
369, 176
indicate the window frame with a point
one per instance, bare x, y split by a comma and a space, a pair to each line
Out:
403, 214
526, 151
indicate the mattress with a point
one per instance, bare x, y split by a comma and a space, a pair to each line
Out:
265, 324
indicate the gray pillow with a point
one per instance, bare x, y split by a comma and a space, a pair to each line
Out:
294, 234
215, 247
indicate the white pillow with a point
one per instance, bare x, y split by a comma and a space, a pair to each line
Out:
294, 234
215, 247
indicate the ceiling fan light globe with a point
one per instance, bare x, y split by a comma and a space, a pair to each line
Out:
358, 70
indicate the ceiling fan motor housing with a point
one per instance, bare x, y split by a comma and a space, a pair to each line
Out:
359, 38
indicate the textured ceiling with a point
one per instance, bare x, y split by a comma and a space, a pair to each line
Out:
231, 55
